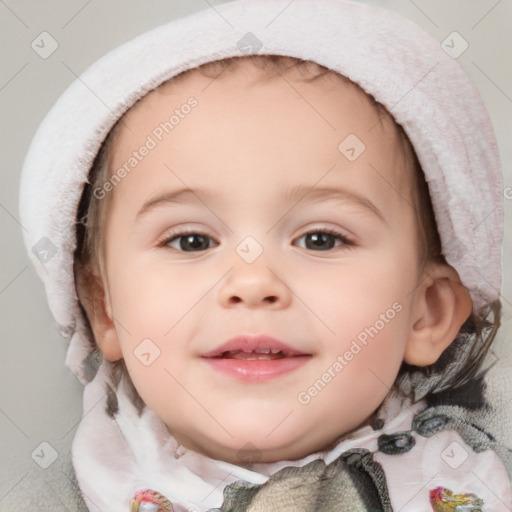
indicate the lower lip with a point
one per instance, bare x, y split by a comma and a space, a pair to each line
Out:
256, 369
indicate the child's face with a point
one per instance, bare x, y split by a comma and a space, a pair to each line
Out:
345, 306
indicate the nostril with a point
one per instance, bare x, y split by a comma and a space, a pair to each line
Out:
271, 299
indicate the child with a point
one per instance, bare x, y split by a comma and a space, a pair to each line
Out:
276, 253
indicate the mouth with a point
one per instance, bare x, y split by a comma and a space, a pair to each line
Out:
255, 357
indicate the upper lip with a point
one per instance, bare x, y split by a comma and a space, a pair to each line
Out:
252, 343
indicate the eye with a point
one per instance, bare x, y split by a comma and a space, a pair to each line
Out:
324, 240
193, 241
187, 241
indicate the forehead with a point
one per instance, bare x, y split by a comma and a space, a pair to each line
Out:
278, 123
243, 79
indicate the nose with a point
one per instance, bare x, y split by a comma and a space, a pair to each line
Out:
254, 285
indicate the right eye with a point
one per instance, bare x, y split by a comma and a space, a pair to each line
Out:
187, 241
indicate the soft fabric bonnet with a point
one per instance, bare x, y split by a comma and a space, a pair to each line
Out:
403, 67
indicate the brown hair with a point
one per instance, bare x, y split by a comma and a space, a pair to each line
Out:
476, 335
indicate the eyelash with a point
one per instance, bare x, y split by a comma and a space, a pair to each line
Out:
347, 243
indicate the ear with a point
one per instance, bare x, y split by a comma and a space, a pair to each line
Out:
442, 304
96, 303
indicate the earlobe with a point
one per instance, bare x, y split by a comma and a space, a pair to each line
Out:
99, 312
442, 305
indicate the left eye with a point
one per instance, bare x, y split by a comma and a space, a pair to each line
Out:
324, 240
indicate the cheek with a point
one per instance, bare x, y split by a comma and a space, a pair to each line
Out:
149, 299
351, 297
155, 306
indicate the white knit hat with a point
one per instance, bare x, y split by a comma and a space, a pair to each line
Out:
402, 66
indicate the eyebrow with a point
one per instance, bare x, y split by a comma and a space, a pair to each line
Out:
179, 196
295, 195
310, 194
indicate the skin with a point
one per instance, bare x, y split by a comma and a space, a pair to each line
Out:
247, 141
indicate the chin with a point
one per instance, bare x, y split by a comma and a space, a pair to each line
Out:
250, 453
245, 449
252, 437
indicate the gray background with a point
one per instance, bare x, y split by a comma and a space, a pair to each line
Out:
40, 399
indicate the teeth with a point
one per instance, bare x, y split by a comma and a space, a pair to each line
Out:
256, 351
260, 353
